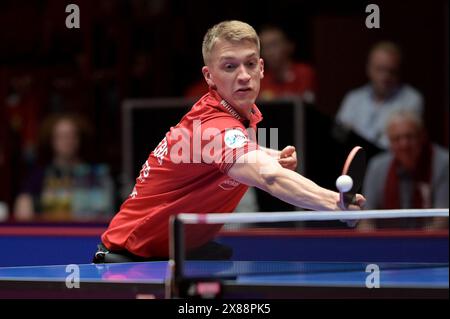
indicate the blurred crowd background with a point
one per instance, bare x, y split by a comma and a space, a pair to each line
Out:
61, 89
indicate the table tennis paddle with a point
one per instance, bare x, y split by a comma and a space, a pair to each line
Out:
355, 167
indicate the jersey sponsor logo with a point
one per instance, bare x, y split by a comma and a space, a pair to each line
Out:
235, 138
229, 184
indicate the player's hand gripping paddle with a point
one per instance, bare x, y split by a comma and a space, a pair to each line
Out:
355, 168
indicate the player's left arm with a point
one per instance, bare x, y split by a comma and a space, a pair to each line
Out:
287, 157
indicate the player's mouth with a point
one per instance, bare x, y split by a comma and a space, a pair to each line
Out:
244, 90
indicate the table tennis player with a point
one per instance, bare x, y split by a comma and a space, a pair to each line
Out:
207, 161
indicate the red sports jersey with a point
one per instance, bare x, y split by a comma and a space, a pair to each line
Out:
186, 173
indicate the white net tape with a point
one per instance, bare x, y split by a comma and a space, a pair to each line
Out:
273, 217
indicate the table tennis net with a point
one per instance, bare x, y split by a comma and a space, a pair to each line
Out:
232, 269
247, 248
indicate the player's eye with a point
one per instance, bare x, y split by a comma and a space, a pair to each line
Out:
251, 64
229, 66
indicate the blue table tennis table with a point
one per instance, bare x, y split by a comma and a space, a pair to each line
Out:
240, 279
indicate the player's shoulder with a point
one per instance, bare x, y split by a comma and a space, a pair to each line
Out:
212, 116
222, 121
210, 113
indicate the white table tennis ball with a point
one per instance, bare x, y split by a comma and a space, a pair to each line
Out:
344, 183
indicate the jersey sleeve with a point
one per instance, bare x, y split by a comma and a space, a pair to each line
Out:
224, 141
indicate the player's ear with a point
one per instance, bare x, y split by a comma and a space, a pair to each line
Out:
261, 67
208, 77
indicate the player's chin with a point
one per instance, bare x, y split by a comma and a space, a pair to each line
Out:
245, 95
244, 103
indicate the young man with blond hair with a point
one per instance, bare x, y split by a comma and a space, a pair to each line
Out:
206, 162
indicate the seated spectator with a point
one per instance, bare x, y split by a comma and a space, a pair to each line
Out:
412, 174
366, 109
282, 75
67, 187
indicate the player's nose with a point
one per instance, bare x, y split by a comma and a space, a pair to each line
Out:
243, 74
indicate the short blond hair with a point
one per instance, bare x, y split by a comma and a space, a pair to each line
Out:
232, 30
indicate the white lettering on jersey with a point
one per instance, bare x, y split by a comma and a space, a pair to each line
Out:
134, 193
145, 171
161, 151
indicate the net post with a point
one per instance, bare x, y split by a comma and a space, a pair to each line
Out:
176, 256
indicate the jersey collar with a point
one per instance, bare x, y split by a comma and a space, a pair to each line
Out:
255, 116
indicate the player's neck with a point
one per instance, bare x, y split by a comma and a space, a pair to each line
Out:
245, 111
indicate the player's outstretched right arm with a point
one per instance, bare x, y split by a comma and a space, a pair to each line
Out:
258, 169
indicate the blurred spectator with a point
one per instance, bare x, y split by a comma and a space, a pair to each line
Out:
66, 187
23, 104
366, 109
22, 107
282, 75
413, 174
